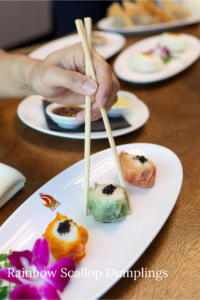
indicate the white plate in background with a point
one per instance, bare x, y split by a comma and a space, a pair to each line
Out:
31, 112
115, 43
116, 246
106, 24
183, 60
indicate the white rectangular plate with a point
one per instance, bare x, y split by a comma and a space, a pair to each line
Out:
117, 245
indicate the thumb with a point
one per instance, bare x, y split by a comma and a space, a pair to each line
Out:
57, 77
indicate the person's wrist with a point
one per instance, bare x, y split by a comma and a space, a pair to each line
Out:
26, 67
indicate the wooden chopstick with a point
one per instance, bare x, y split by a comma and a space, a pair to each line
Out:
88, 27
82, 34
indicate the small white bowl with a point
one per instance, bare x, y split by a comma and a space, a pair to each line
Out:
62, 121
116, 112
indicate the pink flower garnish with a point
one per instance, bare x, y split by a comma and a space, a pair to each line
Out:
49, 279
161, 51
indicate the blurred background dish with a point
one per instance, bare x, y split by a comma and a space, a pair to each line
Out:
192, 5
180, 61
146, 16
105, 24
111, 43
31, 112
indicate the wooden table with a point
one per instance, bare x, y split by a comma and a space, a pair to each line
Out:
174, 123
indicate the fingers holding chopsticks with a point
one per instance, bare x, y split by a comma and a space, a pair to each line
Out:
95, 111
73, 58
60, 78
108, 85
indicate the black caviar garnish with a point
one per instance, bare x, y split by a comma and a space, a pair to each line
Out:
64, 227
142, 158
109, 189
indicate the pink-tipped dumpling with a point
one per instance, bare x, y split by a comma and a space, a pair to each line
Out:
137, 170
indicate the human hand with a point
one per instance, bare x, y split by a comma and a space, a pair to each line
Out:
60, 78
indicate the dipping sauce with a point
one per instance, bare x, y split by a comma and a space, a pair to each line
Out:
122, 102
67, 111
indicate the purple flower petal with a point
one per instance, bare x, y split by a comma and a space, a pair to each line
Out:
57, 273
15, 258
25, 291
41, 251
161, 51
164, 52
38, 264
6, 274
48, 292
52, 278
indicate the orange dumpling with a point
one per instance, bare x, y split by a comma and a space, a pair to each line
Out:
66, 239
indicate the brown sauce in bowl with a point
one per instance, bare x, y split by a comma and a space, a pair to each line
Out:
67, 111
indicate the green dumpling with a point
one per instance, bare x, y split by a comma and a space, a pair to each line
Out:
107, 203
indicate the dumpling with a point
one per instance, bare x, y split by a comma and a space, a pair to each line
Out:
145, 62
174, 42
66, 238
107, 203
137, 170
98, 40
121, 18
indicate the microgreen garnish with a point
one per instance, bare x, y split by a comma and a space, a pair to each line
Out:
163, 52
6, 289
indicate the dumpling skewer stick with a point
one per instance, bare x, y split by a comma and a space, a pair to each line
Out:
88, 26
82, 34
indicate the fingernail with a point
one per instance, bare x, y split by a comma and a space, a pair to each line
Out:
79, 119
90, 87
103, 102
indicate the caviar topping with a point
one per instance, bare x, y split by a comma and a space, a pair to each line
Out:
109, 189
142, 158
64, 227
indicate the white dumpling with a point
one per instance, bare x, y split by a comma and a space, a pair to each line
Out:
145, 62
174, 42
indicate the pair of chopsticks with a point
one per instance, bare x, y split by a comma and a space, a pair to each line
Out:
85, 35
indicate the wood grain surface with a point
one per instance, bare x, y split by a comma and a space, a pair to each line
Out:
174, 122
